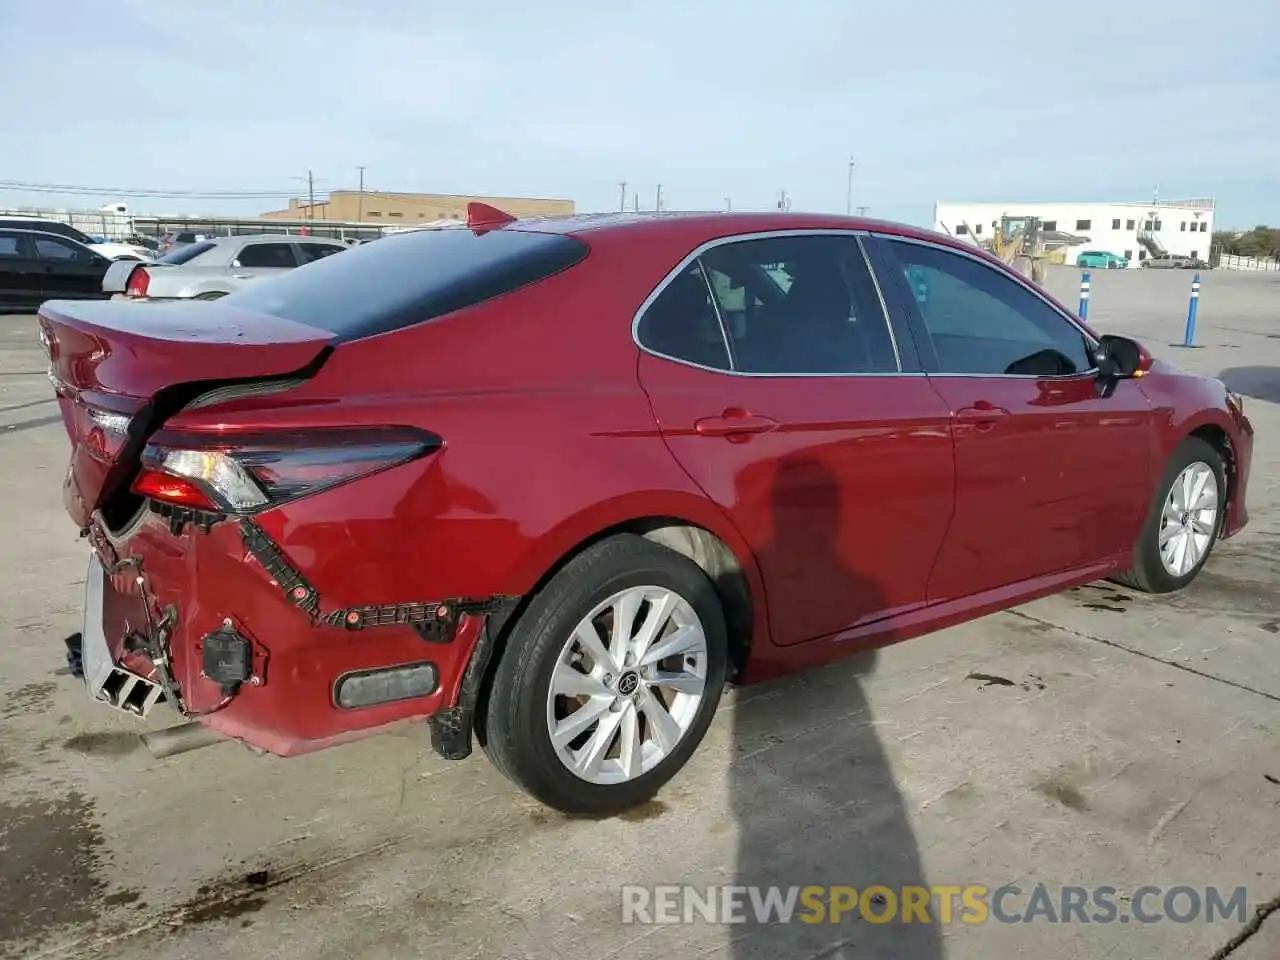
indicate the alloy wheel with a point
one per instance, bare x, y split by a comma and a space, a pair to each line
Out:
627, 685
1189, 519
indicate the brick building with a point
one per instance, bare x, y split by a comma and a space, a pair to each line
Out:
391, 209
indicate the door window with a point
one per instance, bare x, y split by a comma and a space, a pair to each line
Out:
267, 255
983, 323
318, 251
10, 247
51, 248
795, 305
682, 323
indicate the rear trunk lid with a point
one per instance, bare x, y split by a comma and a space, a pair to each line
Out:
119, 369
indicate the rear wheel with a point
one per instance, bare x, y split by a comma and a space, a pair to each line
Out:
1183, 522
610, 678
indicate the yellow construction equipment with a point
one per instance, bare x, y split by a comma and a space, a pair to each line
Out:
1024, 244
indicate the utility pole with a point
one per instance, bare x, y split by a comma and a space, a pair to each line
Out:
360, 207
848, 204
657, 203
622, 196
635, 201
311, 196
728, 204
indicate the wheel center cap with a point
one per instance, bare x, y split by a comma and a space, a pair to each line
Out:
1186, 517
628, 683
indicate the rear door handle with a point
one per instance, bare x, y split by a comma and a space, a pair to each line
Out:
242, 276
734, 423
982, 410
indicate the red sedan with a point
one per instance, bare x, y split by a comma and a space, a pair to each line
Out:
549, 484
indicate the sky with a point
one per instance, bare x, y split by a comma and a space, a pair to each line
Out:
716, 100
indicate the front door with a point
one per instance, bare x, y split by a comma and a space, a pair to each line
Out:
19, 284
1050, 475
775, 379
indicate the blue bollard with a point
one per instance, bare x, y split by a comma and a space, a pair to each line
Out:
1189, 337
1084, 295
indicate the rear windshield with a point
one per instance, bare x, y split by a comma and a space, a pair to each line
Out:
189, 252
407, 278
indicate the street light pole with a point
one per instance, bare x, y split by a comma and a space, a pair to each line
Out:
848, 204
622, 196
360, 203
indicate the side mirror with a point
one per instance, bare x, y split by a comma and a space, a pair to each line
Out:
1118, 358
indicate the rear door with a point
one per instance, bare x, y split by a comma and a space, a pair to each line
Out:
69, 270
778, 386
1050, 475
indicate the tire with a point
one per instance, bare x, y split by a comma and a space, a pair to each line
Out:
1150, 573
520, 710
211, 295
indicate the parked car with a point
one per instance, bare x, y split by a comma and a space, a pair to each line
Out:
548, 483
182, 238
1101, 260
36, 266
106, 248
214, 268
1171, 261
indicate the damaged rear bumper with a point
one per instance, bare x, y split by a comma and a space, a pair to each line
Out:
218, 625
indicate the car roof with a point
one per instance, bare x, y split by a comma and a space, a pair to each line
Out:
266, 238
721, 224
41, 233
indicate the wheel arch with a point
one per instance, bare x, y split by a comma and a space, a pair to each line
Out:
732, 572
1220, 440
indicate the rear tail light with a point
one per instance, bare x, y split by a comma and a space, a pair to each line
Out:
138, 283
259, 472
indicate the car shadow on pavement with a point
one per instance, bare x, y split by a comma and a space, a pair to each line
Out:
1261, 383
812, 790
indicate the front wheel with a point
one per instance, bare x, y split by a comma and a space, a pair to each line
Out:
610, 678
1183, 523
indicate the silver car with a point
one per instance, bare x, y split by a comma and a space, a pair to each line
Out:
213, 268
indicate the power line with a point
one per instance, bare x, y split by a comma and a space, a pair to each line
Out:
82, 190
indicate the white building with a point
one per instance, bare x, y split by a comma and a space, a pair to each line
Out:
1132, 230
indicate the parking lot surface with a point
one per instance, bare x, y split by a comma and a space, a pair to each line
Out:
1095, 738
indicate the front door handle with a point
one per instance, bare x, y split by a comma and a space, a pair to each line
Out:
242, 276
734, 422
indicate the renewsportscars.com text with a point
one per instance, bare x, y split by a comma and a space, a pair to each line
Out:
970, 904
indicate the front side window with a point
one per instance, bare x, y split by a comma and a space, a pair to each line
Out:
267, 255
800, 305
10, 246
981, 322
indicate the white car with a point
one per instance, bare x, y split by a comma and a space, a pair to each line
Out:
108, 249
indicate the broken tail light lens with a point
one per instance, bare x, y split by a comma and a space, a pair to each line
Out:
262, 471
102, 432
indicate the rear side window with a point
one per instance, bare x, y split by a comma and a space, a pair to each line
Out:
266, 255
407, 278
318, 251
187, 253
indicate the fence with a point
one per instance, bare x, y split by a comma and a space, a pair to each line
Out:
1231, 261
116, 225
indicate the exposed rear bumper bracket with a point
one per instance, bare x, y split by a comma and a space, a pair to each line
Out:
435, 620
